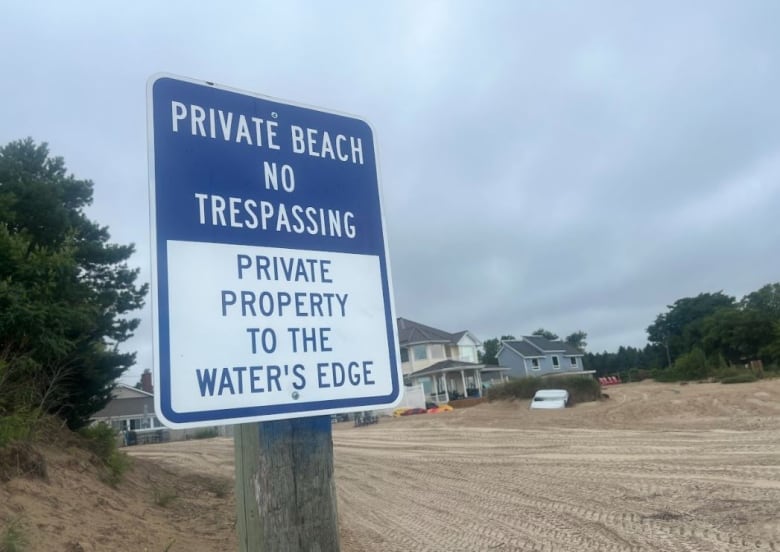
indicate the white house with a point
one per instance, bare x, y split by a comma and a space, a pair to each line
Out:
444, 363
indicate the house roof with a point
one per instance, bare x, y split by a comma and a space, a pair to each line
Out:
490, 368
450, 365
124, 391
132, 406
534, 346
459, 335
127, 401
410, 332
523, 348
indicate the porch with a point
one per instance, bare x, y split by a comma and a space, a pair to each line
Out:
451, 380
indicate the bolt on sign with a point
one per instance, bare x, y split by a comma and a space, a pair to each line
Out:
271, 282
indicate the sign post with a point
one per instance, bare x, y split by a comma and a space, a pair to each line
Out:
270, 290
285, 492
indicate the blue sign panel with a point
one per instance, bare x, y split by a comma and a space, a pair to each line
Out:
271, 284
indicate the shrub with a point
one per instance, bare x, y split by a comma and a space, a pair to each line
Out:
639, 374
745, 377
219, 486
522, 388
101, 440
13, 538
657, 373
580, 388
19, 426
20, 459
772, 371
716, 363
118, 463
728, 371
205, 433
667, 375
164, 497
692, 365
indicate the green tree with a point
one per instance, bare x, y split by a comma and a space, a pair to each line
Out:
765, 300
541, 332
772, 351
65, 291
625, 359
765, 303
680, 328
490, 347
738, 335
578, 339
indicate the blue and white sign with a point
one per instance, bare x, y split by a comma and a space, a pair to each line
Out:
271, 281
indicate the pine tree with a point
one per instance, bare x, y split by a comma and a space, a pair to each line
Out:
65, 291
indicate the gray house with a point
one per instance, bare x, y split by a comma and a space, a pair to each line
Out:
129, 409
536, 356
132, 410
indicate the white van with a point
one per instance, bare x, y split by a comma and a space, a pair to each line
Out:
550, 399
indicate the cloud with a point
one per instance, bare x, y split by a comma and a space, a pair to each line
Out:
572, 167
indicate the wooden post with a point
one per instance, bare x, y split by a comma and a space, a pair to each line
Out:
246, 439
285, 492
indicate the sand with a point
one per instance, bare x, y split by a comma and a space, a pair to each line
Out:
656, 467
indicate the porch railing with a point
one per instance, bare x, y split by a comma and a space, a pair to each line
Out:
438, 397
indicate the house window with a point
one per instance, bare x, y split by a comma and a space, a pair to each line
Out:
573, 362
404, 354
419, 352
468, 353
437, 350
534, 364
556, 364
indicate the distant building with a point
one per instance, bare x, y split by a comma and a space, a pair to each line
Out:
422, 346
132, 410
129, 409
444, 363
537, 356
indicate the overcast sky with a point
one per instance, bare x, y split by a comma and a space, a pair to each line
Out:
544, 164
